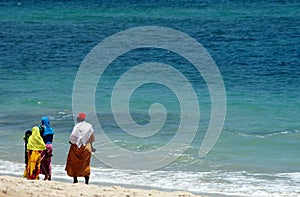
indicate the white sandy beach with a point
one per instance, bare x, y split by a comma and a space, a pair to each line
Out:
13, 186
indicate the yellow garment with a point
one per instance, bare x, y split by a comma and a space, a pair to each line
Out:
34, 164
35, 141
25, 173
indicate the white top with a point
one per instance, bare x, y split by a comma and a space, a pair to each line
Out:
81, 133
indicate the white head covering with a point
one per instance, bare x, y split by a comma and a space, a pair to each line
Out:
81, 133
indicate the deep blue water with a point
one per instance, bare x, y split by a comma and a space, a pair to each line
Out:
255, 45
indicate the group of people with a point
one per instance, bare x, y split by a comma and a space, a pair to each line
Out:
38, 150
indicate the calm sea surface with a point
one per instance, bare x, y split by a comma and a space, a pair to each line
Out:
255, 45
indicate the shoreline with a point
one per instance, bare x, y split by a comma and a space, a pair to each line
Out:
18, 186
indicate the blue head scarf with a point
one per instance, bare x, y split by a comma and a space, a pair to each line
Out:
47, 127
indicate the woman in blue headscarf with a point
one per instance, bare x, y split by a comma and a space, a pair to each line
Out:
47, 134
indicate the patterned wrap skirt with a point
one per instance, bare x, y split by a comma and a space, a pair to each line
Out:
46, 160
78, 161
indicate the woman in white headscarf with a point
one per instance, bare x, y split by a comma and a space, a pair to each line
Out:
78, 161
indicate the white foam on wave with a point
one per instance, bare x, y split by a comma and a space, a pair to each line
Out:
7, 167
239, 183
226, 183
267, 134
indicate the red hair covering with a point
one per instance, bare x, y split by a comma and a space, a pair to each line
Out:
81, 116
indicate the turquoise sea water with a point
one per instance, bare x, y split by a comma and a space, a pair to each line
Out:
255, 45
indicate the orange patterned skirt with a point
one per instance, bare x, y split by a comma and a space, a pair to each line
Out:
78, 161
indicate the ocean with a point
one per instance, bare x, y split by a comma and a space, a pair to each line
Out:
254, 46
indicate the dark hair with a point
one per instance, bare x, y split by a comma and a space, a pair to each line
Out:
28, 132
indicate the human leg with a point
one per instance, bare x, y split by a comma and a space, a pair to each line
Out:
87, 179
75, 180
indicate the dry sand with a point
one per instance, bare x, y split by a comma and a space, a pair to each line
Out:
13, 186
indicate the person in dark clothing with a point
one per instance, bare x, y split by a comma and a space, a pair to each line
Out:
25, 138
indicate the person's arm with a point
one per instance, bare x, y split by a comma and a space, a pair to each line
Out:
91, 139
